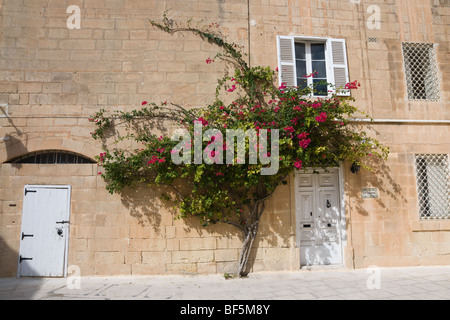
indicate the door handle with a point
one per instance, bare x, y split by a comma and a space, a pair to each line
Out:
26, 235
22, 258
27, 190
63, 222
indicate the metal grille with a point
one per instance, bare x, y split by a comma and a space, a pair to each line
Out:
52, 157
433, 186
421, 71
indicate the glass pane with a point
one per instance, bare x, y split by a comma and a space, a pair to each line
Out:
320, 87
320, 68
71, 158
302, 83
300, 51
318, 51
301, 68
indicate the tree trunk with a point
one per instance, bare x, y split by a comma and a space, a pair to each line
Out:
249, 237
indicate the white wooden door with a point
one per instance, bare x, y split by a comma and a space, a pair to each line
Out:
45, 231
319, 233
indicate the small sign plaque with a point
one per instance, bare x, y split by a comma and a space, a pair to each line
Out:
369, 193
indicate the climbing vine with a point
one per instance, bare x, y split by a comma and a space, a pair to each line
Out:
310, 132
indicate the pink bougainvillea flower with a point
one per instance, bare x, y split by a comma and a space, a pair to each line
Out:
203, 121
282, 86
352, 85
209, 61
313, 74
304, 143
144, 103
233, 87
298, 164
303, 135
322, 117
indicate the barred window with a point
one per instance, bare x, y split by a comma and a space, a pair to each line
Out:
433, 186
52, 157
421, 71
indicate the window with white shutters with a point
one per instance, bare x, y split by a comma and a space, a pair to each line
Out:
312, 62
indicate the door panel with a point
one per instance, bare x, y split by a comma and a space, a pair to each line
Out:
45, 230
306, 206
318, 213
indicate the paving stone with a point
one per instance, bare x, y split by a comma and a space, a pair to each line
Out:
416, 283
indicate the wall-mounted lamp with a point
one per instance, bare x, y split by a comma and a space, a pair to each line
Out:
355, 168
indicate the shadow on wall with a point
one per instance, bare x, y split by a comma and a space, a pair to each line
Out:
11, 286
8, 260
380, 178
144, 204
14, 146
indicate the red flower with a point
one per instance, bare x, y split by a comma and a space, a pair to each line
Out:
144, 103
352, 85
233, 87
209, 61
322, 117
203, 121
298, 164
303, 136
304, 143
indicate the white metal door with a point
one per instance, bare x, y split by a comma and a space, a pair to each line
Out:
45, 231
319, 233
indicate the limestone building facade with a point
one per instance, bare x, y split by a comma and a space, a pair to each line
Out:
54, 76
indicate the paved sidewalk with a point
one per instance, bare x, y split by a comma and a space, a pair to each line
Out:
418, 283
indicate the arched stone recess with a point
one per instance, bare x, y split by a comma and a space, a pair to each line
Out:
13, 147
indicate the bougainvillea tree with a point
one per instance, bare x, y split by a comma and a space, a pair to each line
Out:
293, 130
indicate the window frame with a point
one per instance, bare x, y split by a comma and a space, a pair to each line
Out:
56, 156
407, 46
287, 60
424, 193
309, 62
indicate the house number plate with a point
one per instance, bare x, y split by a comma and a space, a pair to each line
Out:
369, 193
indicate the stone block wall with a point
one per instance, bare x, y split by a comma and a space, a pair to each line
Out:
133, 234
52, 79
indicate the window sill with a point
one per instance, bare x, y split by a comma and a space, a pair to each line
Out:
431, 225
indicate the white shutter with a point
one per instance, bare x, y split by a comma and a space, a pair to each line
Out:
339, 67
286, 61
